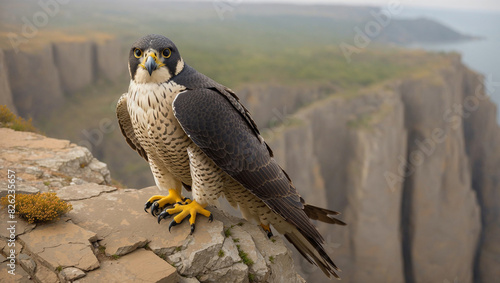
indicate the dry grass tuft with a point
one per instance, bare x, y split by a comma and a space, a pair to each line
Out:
10, 120
39, 207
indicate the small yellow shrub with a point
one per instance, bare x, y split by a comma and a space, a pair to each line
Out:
39, 207
10, 120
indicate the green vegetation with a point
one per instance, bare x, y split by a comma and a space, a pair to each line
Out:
271, 259
221, 253
227, 232
251, 277
115, 257
244, 256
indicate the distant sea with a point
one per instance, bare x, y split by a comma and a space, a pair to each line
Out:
480, 55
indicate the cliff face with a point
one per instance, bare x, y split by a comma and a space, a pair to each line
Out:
440, 205
350, 145
75, 64
5, 93
38, 82
413, 165
34, 81
482, 139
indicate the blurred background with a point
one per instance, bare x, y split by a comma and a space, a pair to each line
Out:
384, 110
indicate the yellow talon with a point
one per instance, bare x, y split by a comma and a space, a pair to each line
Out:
192, 208
184, 210
267, 228
157, 202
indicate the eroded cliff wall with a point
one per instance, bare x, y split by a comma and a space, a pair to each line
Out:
482, 139
34, 81
414, 167
5, 93
38, 82
352, 142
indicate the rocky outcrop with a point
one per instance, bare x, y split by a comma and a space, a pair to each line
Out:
34, 81
45, 164
107, 237
5, 93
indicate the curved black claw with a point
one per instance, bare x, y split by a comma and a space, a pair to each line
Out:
173, 223
147, 205
192, 229
163, 215
155, 208
211, 218
269, 234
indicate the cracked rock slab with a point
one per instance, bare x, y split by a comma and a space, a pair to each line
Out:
276, 250
61, 244
246, 244
116, 245
21, 226
20, 276
27, 263
72, 273
43, 274
202, 246
235, 273
84, 191
120, 222
139, 266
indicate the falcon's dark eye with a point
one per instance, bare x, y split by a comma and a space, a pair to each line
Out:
166, 53
137, 53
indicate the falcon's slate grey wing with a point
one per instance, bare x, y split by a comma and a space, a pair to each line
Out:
225, 135
126, 126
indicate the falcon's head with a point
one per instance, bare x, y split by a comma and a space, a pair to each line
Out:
154, 59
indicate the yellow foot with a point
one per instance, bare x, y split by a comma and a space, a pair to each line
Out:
184, 210
157, 203
267, 228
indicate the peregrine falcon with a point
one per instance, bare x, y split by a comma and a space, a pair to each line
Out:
194, 132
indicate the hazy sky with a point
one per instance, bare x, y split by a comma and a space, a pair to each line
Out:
487, 5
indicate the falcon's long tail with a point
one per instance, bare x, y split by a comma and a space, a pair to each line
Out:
311, 247
322, 214
313, 252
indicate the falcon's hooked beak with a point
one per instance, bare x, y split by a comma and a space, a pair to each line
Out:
151, 63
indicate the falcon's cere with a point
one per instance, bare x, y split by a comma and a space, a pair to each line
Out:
195, 133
